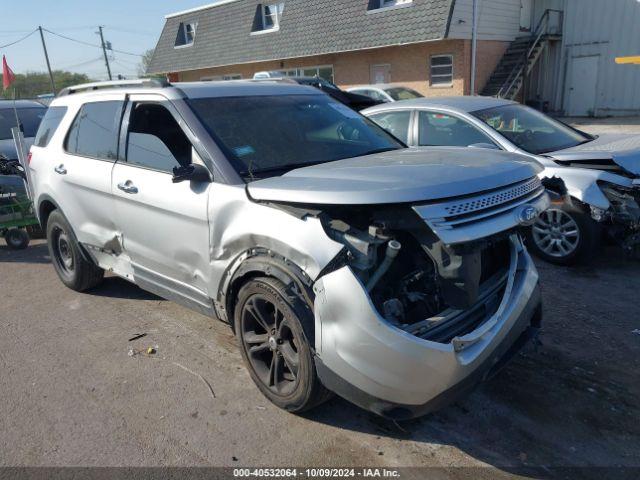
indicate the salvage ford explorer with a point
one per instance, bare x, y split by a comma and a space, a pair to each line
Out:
345, 262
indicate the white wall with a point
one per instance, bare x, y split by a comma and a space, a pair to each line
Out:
498, 20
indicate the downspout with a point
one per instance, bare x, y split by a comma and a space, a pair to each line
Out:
474, 46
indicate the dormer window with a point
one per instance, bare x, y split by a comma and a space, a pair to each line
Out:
385, 4
186, 34
268, 17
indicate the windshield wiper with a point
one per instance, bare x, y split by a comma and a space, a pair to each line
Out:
278, 168
293, 166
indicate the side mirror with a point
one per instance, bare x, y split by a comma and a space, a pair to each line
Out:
193, 173
488, 146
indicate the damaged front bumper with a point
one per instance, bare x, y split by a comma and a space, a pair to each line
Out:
380, 367
622, 218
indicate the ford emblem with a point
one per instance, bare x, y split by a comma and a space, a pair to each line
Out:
527, 215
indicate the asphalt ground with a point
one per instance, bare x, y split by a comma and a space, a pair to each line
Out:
70, 394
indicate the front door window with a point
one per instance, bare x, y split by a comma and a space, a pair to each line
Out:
155, 139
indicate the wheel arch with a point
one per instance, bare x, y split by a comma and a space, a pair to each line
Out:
46, 205
259, 262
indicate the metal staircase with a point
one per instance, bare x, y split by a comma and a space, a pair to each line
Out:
523, 53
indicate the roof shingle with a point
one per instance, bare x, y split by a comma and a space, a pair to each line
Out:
307, 28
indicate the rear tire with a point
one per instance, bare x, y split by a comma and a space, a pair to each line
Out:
564, 235
74, 270
269, 323
17, 239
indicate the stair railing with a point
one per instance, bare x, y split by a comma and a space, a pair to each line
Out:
541, 29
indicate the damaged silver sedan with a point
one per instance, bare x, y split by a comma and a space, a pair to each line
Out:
344, 261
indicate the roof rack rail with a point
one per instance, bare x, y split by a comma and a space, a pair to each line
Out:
142, 82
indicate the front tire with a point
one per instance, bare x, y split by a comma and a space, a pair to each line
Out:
564, 235
74, 270
269, 318
17, 239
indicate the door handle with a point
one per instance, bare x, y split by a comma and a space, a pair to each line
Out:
60, 169
128, 187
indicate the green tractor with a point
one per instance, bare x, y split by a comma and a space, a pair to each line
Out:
16, 209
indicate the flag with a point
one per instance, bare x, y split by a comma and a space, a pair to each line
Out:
7, 74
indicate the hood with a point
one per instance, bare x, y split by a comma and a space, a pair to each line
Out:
400, 176
8, 147
620, 149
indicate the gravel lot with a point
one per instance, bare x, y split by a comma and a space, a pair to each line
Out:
71, 395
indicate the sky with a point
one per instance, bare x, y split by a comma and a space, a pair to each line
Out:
132, 26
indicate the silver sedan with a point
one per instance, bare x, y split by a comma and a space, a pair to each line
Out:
602, 174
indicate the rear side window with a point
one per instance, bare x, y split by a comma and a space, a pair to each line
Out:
396, 123
94, 132
49, 125
440, 130
29, 119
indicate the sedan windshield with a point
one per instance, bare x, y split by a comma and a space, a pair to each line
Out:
402, 93
29, 118
270, 135
530, 130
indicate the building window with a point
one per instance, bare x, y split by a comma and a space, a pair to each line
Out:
441, 71
380, 4
218, 78
324, 71
267, 17
186, 34
271, 16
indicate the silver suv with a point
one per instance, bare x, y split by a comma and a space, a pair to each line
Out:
344, 261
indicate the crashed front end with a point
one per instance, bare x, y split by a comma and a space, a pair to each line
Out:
622, 218
425, 300
605, 175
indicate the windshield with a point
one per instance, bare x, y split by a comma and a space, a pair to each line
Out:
402, 93
29, 118
530, 130
269, 135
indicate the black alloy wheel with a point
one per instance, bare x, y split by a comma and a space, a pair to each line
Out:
271, 345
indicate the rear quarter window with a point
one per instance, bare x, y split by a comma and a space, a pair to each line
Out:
49, 125
94, 132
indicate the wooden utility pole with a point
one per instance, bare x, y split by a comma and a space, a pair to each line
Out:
104, 51
46, 57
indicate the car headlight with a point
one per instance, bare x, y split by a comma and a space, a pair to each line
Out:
625, 202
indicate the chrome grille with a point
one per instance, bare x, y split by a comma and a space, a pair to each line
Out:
489, 201
482, 215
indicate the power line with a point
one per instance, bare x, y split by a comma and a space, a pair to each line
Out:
91, 44
81, 64
20, 39
129, 68
133, 32
13, 32
72, 39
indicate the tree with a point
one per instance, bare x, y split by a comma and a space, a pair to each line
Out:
32, 84
144, 62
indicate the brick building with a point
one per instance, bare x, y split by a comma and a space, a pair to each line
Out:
422, 44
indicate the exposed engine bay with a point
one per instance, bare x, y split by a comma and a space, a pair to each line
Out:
410, 275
